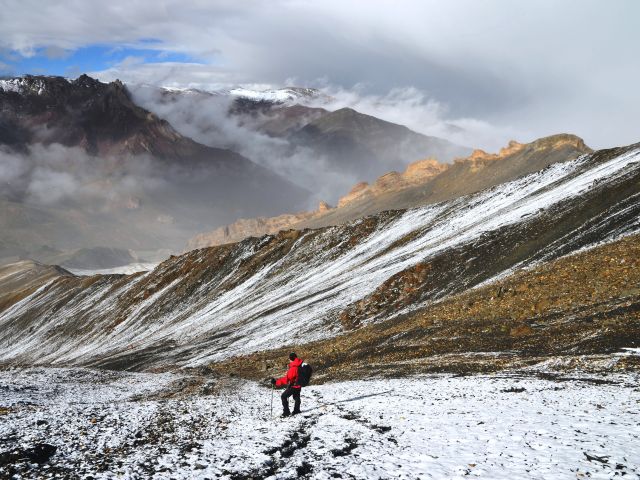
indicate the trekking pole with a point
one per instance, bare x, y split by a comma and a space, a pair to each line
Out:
272, 400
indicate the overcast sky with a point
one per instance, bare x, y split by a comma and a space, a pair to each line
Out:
498, 69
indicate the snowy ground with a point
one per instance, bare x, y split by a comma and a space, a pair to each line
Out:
112, 425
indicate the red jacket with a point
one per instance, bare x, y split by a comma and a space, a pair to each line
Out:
291, 377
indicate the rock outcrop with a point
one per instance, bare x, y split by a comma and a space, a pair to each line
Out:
464, 176
253, 227
416, 173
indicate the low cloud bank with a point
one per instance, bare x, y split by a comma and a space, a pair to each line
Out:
52, 175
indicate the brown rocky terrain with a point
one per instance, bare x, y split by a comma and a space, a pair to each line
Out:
583, 304
275, 119
423, 182
416, 173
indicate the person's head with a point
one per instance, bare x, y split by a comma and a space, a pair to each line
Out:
292, 356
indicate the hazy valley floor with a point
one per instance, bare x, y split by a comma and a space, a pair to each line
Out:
527, 424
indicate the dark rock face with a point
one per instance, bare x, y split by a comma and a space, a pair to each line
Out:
98, 116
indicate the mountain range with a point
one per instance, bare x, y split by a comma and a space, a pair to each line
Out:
403, 263
291, 131
371, 274
89, 167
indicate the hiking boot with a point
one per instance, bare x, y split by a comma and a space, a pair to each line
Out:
285, 414
296, 412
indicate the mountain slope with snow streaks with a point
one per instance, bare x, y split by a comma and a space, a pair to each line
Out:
262, 293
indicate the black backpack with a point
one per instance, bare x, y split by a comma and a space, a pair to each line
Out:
304, 374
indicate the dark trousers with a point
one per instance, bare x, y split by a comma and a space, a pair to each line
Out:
290, 391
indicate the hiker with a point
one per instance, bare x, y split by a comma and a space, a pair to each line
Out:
290, 380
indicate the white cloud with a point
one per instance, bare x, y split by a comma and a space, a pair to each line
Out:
538, 67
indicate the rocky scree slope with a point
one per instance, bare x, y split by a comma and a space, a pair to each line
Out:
216, 303
573, 312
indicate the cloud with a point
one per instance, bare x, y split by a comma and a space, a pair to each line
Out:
56, 53
538, 67
205, 118
170, 74
54, 175
413, 108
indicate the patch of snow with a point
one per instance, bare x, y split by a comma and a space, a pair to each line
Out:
632, 350
12, 85
279, 95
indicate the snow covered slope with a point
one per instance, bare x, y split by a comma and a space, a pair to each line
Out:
120, 425
281, 95
262, 293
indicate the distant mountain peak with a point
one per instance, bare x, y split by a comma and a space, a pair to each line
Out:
280, 95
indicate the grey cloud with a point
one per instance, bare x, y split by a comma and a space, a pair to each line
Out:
536, 67
49, 175
56, 53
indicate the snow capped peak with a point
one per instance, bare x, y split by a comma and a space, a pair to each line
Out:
281, 95
288, 95
184, 90
23, 85
28, 84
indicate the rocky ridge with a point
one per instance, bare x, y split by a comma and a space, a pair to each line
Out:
423, 182
416, 173
252, 227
